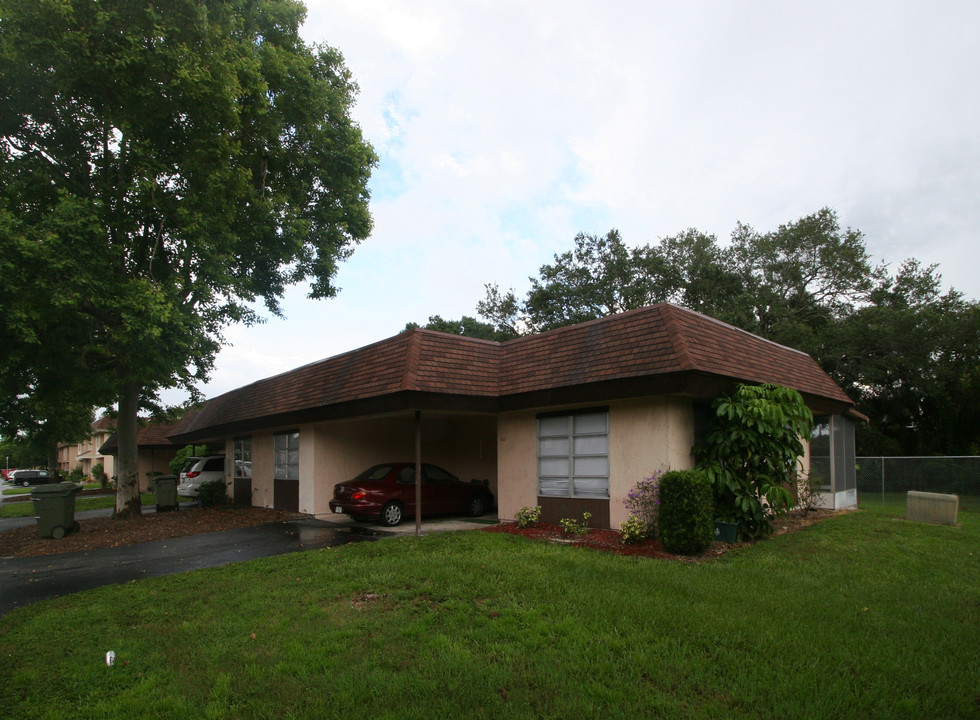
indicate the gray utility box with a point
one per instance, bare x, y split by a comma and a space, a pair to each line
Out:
165, 489
54, 508
932, 507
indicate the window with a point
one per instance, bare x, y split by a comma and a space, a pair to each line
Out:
243, 457
573, 455
286, 447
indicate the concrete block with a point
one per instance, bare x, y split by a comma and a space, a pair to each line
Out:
932, 507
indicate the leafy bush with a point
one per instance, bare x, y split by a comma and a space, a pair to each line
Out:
76, 474
98, 474
633, 530
570, 526
751, 454
643, 502
212, 492
686, 511
528, 516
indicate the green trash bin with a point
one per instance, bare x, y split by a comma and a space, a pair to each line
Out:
54, 508
165, 489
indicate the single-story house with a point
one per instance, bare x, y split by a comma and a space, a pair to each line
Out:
154, 451
569, 419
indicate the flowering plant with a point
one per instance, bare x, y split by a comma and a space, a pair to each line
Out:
528, 516
570, 526
633, 530
643, 502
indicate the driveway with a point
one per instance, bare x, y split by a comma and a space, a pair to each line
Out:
27, 580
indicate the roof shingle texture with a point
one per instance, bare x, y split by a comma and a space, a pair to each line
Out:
656, 340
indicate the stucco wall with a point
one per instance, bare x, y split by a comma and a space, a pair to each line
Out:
152, 462
644, 435
332, 452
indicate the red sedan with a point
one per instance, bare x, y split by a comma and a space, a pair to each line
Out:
387, 492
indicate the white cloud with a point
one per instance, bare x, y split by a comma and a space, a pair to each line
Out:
504, 128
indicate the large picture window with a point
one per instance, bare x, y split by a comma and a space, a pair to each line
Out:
286, 446
243, 457
573, 455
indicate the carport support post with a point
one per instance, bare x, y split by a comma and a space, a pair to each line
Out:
418, 472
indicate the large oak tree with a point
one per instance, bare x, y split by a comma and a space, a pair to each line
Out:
164, 167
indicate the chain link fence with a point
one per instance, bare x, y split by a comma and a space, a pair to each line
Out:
890, 478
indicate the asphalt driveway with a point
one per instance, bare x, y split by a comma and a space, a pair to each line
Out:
27, 580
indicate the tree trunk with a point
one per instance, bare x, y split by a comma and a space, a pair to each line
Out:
52, 459
127, 478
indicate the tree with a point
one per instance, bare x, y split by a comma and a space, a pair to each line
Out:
166, 165
600, 276
801, 278
909, 359
466, 326
752, 452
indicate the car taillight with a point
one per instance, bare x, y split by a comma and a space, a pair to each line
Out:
358, 495
193, 474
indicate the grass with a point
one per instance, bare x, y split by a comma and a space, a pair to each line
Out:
26, 509
861, 616
897, 501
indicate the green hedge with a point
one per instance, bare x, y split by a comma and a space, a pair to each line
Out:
687, 523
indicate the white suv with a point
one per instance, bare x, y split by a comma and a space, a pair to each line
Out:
198, 470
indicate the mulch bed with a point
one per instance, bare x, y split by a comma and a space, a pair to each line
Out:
100, 533
609, 540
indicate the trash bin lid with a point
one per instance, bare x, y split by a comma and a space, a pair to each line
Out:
65, 488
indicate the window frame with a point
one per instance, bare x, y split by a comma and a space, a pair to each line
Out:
283, 469
241, 454
582, 457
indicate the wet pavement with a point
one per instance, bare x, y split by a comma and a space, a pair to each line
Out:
27, 580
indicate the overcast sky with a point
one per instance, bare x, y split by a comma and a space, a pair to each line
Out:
506, 128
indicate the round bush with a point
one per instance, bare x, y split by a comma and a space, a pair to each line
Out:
686, 512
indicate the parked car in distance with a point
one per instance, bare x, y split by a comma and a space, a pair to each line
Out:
31, 477
199, 470
386, 492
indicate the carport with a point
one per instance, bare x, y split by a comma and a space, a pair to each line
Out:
419, 396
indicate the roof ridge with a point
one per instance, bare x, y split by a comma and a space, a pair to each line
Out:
676, 334
412, 359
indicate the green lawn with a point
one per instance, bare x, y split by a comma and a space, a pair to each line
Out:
26, 509
861, 616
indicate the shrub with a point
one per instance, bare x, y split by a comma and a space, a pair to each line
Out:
643, 502
686, 512
212, 492
76, 475
633, 530
570, 526
98, 474
528, 516
751, 454
807, 494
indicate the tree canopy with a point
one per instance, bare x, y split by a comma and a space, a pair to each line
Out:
164, 166
902, 348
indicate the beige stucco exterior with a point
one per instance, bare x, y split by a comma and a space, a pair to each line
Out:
644, 435
335, 451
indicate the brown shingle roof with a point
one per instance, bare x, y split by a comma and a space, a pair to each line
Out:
147, 435
656, 342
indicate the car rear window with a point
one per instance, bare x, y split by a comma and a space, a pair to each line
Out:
215, 464
378, 472
189, 465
